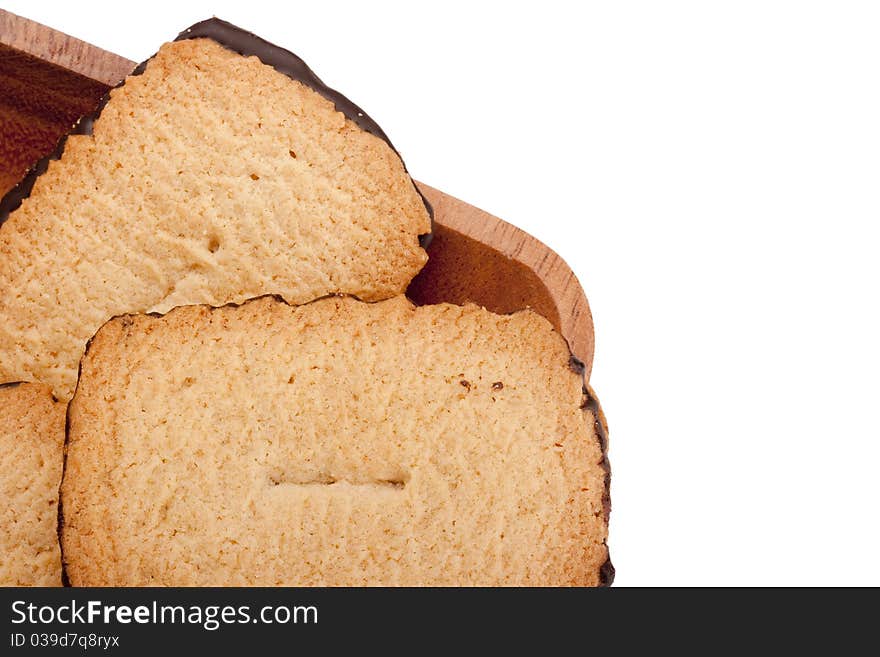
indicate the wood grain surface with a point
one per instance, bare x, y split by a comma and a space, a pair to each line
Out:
49, 79
38, 103
65, 51
478, 257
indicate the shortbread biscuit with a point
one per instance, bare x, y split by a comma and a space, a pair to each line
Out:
208, 177
31, 446
334, 443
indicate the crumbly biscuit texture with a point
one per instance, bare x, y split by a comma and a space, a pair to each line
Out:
31, 447
209, 178
334, 443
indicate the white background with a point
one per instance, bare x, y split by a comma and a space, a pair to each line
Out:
711, 172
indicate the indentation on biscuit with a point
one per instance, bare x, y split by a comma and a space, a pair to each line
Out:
391, 483
254, 176
292, 154
213, 244
279, 477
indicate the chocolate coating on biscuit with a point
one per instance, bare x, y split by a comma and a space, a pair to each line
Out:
591, 404
606, 573
246, 44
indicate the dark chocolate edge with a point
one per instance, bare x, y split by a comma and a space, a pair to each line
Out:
246, 44
287, 63
590, 404
65, 578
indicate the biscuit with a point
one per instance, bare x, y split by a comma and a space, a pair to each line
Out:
208, 177
31, 446
337, 443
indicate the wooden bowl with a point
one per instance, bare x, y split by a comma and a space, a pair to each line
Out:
49, 79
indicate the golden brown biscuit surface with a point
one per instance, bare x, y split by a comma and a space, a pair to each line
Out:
335, 443
31, 445
209, 178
